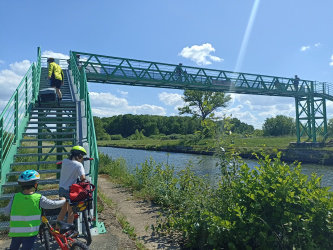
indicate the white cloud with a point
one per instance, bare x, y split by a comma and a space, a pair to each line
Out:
123, 93
10, 79
273, 111
317, 44
200, 54
2, 61
49, 53
253, 109
20, 68
106, 104
171, 98
304, 48
331, 63
239, 113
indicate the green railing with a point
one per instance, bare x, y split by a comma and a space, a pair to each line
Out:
80, 81
117, 70
15, 115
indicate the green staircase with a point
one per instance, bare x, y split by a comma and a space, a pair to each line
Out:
43, 134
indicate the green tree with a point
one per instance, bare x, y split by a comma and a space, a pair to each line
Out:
279, 125
99, 129
203, 103
239, 127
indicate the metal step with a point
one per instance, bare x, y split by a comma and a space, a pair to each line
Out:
55, 108
45, 171
52, 122
44, 192
52, 113
51, 133
49, 118
63, 103
63, 128
58, 139
41, 154
46, 146
33, 163
40, 182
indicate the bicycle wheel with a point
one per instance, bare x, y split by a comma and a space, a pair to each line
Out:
46, 236
87, 226
77, 245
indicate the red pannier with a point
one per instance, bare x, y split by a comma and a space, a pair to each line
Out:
81, 191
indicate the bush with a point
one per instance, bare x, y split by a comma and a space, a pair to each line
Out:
138, 135
274, 206
271, 207
116, 137
116, 169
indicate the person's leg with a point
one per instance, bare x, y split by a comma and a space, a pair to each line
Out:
63, 210
16, 243
58, 86
59, 93
70, 218
28, 242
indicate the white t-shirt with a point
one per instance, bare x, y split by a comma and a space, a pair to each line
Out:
70, 170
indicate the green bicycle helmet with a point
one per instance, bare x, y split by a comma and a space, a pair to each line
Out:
78, 150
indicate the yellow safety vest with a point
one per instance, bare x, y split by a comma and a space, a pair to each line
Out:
25, 215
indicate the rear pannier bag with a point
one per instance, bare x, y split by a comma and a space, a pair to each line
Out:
47, 95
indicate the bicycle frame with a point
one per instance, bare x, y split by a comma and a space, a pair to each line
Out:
63, 240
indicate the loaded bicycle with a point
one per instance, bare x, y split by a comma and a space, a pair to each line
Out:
65, 236
68, 234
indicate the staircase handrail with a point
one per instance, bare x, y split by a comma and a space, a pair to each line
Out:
15, 115
80, 81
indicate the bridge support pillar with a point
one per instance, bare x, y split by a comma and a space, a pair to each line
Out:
311, 118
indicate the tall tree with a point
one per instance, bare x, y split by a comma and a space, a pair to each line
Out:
203, 103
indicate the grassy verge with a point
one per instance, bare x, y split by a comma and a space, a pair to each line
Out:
250, 143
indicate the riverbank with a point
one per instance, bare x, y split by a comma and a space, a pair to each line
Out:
305, 152
177, 187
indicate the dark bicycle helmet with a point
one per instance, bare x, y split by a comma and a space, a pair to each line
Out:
78, 150
28, 178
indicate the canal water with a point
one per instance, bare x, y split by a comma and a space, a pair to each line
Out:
202, 164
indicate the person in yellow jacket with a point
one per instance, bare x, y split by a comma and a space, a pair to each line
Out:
25, 211
56, 75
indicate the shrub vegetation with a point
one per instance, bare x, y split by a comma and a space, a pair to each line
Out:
274, 206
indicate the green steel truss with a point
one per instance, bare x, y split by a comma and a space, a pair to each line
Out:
310, 96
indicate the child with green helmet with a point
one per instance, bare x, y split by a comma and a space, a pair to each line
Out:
25, 211
71, 169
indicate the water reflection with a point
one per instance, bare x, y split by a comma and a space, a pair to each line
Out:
202, 164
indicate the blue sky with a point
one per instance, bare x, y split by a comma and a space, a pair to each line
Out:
277, 38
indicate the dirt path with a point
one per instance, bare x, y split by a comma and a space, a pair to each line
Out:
138, 214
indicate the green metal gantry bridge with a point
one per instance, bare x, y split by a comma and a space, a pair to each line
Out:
37, 137
310, 96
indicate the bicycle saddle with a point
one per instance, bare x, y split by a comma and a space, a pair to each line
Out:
65, 227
